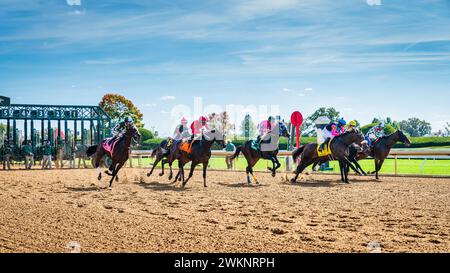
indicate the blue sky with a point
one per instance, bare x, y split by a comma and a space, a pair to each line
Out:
367, 58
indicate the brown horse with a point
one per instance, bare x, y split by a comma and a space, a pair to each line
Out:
253, 156
165, 155
119, 155
339, 151
200, 153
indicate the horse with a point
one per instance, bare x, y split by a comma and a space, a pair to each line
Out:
356, 153
339, 151
119, 154
253, 156
382, 147
80, 153
165, 155
200, 153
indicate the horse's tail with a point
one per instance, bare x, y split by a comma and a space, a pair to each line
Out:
237, 153
91, 150
297, 152
155, 151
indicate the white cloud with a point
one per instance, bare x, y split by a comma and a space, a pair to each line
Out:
73, 2
168, 98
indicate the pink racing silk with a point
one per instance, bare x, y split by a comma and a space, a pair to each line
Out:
264, 127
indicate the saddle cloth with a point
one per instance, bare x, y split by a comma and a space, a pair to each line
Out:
326, 150
186, 147
109, 144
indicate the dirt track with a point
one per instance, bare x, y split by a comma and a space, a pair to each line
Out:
42, 211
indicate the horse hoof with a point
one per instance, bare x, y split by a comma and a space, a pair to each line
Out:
149, 174
161, 174
99, 177
293, 181
274, 174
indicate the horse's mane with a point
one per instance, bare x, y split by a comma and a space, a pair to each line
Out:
344, 134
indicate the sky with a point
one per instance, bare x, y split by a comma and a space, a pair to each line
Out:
366, 58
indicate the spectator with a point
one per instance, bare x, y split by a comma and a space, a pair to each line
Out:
29, 156
228, 159
47, 159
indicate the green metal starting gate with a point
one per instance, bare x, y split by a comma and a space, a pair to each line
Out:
98, 123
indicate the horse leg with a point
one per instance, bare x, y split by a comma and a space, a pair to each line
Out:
171, 171
163, 162
380, 164
154, 166
191, 173
300, 168
342, 166
115, 172
359, 167
346, 161
98, 166
205, 167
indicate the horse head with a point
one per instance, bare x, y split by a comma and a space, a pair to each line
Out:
217, 136
133, 133
403, 138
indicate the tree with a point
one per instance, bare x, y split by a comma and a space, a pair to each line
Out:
248, 127
117, 107
447, 129
415, 127
146, 134
308, 127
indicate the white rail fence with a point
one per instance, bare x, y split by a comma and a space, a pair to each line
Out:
287, 155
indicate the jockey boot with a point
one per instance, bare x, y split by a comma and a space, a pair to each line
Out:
323, 145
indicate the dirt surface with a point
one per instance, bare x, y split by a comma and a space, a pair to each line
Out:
48, 211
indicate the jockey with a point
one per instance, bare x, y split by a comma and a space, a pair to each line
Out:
328, 133
375, 133
199, 128
121, 128
341, 126
182, 130
351, 126
265, 128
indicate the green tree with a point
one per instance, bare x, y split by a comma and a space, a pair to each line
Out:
146, 134
117, 107
447, 129
415, 127
248, 127
308, 127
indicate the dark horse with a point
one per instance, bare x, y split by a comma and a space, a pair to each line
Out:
165, 155
120, 153
382, 147
339, 149
253, 156
356, 153
200, 153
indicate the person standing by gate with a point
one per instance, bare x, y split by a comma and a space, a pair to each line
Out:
228, 159
47, 160
29, 156
7, 155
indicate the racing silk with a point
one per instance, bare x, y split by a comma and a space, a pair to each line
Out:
198, 129
119, 128
181, 132
375, 133
264, 127
327, 134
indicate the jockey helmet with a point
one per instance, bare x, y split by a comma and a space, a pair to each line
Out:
352, 123
342, 122
183, 120
128, 119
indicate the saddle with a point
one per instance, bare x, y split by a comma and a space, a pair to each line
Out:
109, 144
326, 151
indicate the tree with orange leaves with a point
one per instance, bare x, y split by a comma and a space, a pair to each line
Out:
118, 107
